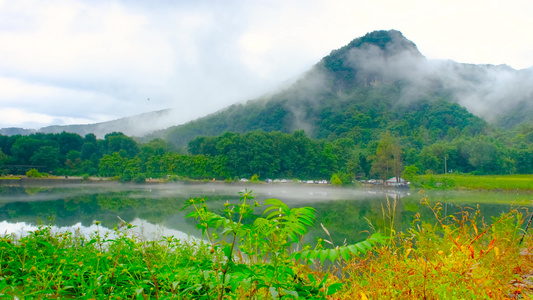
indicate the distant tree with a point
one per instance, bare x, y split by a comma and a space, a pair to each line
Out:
156, 146
74, 162
387, 161
203, 145
117, 141
90, 149
335, 180
3, 158
67, 142
111, 165
485, 156
410, 172
46, 156
23, 149
524, 161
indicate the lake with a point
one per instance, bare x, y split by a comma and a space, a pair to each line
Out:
155, 209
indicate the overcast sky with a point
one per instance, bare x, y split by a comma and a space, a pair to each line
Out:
77, 62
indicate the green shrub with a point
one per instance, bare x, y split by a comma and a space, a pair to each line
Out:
126, 177
335, 180
140, 178
255, 178
341, 179
34, 173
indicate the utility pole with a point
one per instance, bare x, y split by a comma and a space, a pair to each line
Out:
445, 167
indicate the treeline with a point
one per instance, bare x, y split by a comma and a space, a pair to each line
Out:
226, 157
268, 155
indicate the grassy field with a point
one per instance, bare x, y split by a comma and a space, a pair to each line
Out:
477, 182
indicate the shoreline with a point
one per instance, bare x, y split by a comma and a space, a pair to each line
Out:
22, 180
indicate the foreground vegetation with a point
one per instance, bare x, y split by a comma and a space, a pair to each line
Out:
457, 256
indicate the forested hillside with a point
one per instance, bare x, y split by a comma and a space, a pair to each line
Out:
270, 155
379, 82
367, 110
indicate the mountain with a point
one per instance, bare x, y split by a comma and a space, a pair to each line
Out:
379, 82
137, 125
16, 131
133, 126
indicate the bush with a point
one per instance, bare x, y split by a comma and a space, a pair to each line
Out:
335, 180
34, 173
140, 178
255, 178
125, 177
341, 179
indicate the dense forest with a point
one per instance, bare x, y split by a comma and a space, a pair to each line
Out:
274, 155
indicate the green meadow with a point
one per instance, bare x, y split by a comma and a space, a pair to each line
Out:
476, 182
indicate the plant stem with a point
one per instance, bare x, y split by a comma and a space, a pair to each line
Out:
229, 258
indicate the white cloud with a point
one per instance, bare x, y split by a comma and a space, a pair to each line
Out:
95, 60
14, 116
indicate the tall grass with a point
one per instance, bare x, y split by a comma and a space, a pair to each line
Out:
486, 182
458, 256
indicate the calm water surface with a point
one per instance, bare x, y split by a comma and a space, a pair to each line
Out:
348, 214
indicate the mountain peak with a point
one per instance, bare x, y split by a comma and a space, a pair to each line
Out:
374, 57
389, 41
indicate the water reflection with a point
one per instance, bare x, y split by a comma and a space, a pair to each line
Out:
348, 214
141, 229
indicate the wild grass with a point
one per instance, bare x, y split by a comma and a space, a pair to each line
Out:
477, 182
459, 256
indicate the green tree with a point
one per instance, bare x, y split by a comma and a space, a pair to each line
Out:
111, 165
23, 149
117, 141
486, 157
387, 161
68, 142
410, 172
46, 156
73, 162
335, 180
3, 159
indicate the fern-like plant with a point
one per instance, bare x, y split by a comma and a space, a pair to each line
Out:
257, 257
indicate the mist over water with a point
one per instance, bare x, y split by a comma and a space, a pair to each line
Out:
155, 209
